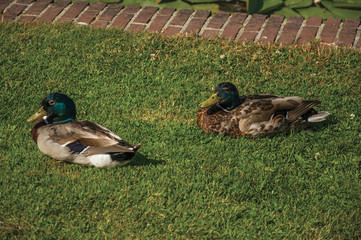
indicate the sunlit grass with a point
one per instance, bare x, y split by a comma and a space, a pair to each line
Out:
183, 183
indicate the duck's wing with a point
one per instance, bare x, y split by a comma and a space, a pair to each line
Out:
269, 114
78, 135
301, 109
109, 150
261, 110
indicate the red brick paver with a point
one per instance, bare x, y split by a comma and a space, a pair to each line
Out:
90, 14
309, 31
34, 10
290, 30
161, 19
215, 24
136, 27
53, 11
12, 12
197, 22
122, 20
172, 30
26, 2
234, 25
26, 18
145, 14
181, 18
143, 18
270, 32
252, 28
348, 32
4, 4
330, 29
218, 20
37, 7
178, 21
110, 12
73, 12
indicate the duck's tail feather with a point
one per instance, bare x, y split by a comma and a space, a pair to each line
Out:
125, 156
136, 147
302, 109
318, 117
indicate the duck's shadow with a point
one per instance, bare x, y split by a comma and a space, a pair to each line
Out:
315, 126
141, 160
320, 126
312, 127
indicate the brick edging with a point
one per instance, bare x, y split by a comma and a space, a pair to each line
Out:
170, 22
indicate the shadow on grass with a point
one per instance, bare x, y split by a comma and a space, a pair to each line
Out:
141, 160
320, 126
138, 160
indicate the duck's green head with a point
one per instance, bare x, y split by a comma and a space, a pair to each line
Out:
57, 107
225, 95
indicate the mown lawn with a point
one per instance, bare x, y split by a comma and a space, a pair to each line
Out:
182, 183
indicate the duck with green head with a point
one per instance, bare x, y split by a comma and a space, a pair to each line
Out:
228, 113
59, 135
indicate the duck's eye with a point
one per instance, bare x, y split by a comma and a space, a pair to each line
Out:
51, 102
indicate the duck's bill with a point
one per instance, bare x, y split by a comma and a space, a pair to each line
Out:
214, 99
38, 114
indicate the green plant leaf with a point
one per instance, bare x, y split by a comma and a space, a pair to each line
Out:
298, 3
346, 1
200, 1
355, 6
315, 12
340, 12
175, 4
139, 2
254, 6
287, 12
194, 5
211, 7
270, 5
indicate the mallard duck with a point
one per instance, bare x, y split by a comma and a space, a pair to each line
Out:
60, 136
228, 113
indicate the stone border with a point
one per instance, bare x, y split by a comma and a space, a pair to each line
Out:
170, 22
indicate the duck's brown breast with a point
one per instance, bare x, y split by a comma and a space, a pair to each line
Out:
34, 130
215, 121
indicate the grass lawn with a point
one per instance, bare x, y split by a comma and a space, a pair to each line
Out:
182, 183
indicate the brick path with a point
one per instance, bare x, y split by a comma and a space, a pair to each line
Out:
169, 21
